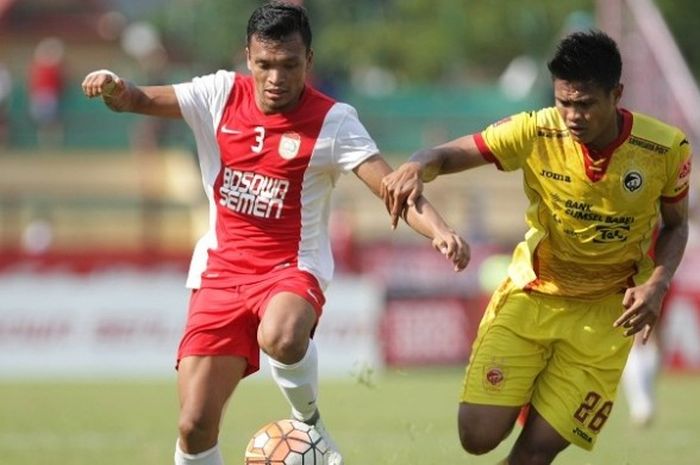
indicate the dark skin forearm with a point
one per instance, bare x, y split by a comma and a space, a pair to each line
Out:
438, 161
642, 303
127, 100
123, 96
404, 186
142, 100
668, 253
421, 215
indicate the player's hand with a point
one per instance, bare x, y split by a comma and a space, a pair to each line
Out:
642, 309
103, 83
453, 247
401, 189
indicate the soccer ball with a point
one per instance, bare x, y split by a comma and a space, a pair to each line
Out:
286, 442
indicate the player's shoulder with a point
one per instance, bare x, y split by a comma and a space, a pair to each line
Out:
334, 111
241, 82
544, 117
549, 122
542, 122
549, 117
217, 82
219, 76
653, 134
318, 96
319, 103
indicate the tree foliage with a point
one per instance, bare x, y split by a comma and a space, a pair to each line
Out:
682, 18
427, 41
420, 41
211, 33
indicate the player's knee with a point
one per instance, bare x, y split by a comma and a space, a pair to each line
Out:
197, 431
477, 441
284, 346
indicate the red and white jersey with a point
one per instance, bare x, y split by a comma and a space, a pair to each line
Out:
268, 178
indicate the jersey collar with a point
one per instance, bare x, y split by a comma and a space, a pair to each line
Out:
596, 162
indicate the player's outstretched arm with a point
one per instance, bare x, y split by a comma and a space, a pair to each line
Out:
404, 186
421, 216
121, 95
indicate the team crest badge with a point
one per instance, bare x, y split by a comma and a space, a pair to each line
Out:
493, 378
290, 142
632, 181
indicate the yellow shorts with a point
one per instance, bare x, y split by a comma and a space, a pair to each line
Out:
563, 356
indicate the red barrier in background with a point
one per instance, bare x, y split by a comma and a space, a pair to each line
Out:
430, 313
680, 331
429, 331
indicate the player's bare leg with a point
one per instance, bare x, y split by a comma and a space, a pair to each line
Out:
483, 427
284, 335
286, 327
205, 385
538, 443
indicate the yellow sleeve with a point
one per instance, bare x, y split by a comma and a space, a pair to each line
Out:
508, 141
678, 167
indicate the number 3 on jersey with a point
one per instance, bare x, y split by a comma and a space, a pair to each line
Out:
259, 139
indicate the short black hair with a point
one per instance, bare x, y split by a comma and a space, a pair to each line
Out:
587, 57
277, 20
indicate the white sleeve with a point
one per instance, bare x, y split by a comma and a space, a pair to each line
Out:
352, 144
202, 104
203, 99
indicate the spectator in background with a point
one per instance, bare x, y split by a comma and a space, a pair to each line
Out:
46, 85
639, 379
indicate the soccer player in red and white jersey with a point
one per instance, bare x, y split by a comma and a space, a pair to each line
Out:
599, 179
270, 150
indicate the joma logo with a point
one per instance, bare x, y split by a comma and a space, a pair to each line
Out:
555, 176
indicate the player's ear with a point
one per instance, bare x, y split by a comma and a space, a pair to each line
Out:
617, 92
247, 59
309, 58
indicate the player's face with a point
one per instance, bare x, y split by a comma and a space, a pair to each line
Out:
279, 70
589, 111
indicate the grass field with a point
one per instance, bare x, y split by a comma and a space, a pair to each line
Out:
405, 418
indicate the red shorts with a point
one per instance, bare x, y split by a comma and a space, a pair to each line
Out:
225, 321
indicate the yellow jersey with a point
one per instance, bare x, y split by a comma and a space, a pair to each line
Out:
592, 217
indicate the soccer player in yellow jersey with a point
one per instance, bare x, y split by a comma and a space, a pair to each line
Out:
608, 191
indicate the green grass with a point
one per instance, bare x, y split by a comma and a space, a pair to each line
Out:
406, 418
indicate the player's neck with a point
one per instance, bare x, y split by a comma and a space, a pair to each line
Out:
609, 137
